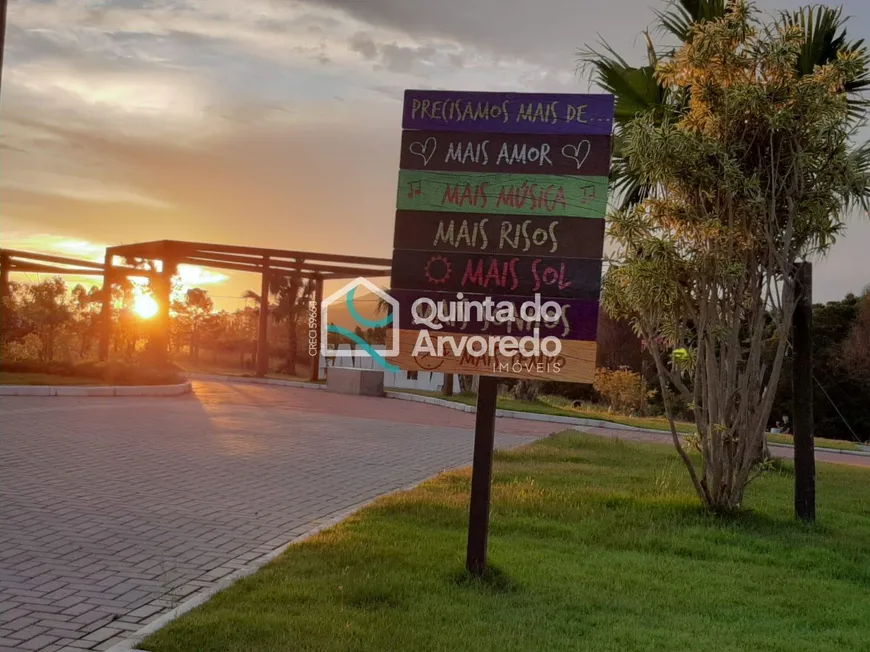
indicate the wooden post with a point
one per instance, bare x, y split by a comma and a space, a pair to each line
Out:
5, 264
106, 311
263, 324
318, 326
3, 4
802, 392
481, 475
162, 289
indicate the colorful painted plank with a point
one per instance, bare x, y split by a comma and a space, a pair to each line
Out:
511, 153
567, 237
567, 278
518, 113
503, 194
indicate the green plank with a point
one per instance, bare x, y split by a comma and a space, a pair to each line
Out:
502, 194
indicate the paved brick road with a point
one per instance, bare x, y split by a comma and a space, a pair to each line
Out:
112, 511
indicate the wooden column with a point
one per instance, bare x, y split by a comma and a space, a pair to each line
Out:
263, 323
802, 392
318, 327
5, 264
106, 311
162, 289
3, 4
481, 475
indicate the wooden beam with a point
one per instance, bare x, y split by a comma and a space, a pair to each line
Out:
288, 267
354, 271
318, 327
263, 323
37, 268
106, 312
63, 260
283, 253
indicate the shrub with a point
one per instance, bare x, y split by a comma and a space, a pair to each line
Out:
112, 373
623, 390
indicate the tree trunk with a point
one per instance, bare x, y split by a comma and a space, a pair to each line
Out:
447, 387
527, 390
291, 348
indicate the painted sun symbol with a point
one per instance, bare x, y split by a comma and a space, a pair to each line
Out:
436, 273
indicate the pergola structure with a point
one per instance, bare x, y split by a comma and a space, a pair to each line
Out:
269, 263
14, 260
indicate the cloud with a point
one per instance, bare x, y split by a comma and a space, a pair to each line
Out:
266, 121
393, 57
546, 33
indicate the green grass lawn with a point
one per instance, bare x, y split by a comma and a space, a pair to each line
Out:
596, 545
15, 378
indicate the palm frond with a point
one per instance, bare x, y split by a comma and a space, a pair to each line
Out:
636, 89
682, 15
824, 37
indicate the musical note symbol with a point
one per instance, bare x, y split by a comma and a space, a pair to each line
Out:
416, 188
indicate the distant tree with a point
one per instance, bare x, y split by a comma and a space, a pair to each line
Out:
13, 326
856, 348
294, 294
46, 306
195, 309
841, 372
86, 303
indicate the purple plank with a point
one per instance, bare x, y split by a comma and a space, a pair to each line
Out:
579, 319
517, 113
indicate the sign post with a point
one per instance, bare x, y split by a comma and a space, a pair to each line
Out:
497, 247
481, 475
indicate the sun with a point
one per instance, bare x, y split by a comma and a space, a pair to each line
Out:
145, 306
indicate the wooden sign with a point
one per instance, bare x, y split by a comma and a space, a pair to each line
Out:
517, 113
502, 194
532, 154
501, 197
575, 278
578, 320
506, 234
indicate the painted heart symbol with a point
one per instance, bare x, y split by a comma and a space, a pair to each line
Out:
424, 150
577, 153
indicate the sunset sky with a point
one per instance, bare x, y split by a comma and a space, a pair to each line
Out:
271, 122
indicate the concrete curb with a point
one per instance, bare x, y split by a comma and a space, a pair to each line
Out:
192, 375
95, 390
529, 416
574, 421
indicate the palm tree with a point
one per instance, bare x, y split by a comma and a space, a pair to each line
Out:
637, 90
294, 294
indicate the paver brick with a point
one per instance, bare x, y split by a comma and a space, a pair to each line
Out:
40, 642
115, 510
26, 633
